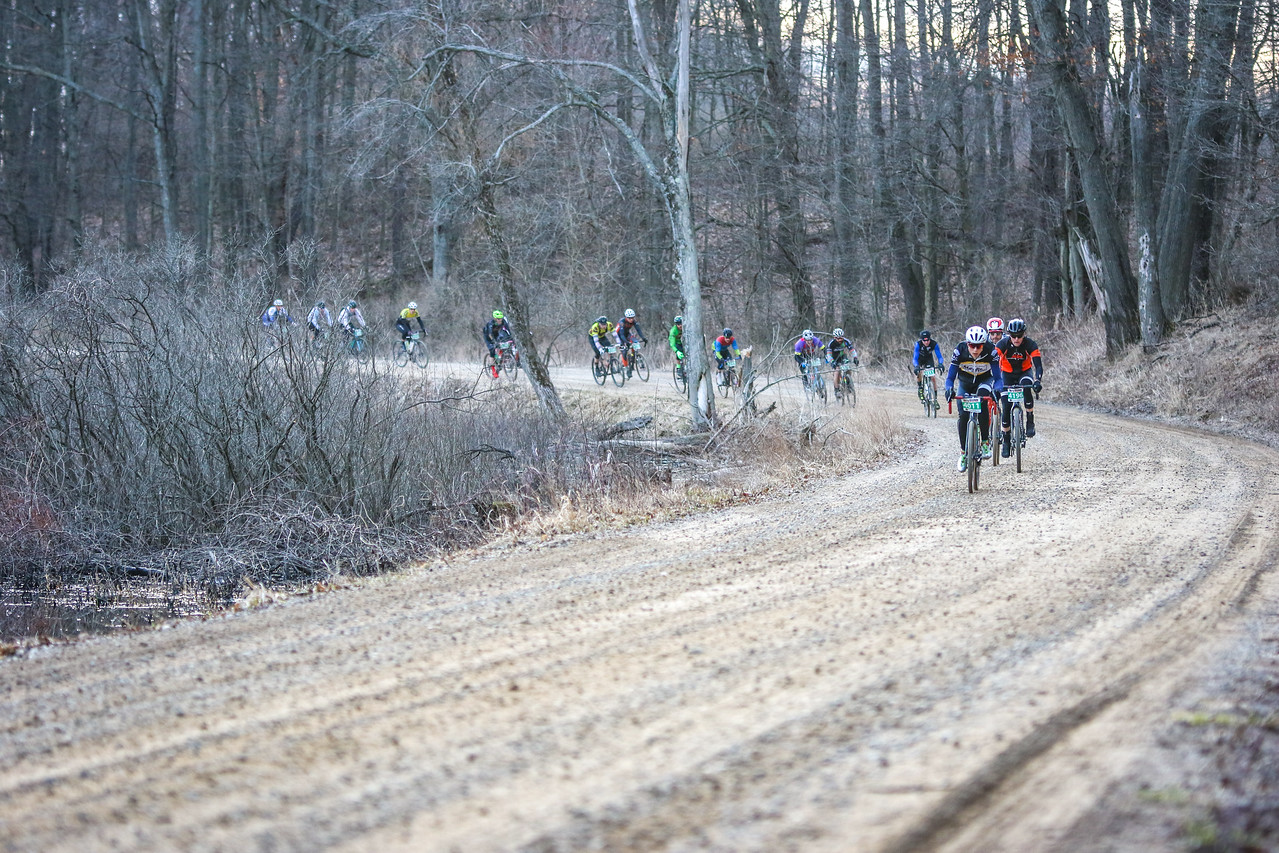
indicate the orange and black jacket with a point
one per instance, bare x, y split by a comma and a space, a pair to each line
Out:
1018, 360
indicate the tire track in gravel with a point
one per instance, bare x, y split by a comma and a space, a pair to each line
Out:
852, 666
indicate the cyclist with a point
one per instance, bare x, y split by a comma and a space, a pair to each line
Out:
676, 339
841, 350
404, 323
807, 348
725, 347
973, 370
602, 334
995, 329
927, 354
1019, 358
628, 330
351, 317
276, 315
495, 331
319, 315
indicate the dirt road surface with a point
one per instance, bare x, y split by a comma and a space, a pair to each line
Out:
880, 661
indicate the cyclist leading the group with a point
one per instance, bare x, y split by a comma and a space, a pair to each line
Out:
676, 339
602, 334
927, 354
1019, 359
974, 369
496, 331
404, 323
807, 348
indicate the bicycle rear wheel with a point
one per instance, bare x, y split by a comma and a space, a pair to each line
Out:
972, 449
615, 370
1019, 434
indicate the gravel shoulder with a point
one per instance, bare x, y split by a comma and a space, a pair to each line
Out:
878, 661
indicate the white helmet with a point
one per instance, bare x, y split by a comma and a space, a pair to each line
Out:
629, 315
995, 326
839, 333
412, 306
977, 335
279, 303
808, 334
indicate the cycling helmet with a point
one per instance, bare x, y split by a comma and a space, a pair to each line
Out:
279, 303
679, 319
839, 333
728, 333
808, 334
925, 335
1017, 326
351, 304
995, 326
497, 315
412, 306
629, 315
602, 320
320, 304
976, 335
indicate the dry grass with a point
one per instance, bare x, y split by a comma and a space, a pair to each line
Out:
1213, 371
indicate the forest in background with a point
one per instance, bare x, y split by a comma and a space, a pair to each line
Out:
867, 163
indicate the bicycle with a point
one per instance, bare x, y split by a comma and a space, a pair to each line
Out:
992, 403
356, 347
679, 376
931, 406
972, 403
1015, 395
601, 369
635, 361
815, 386
508, 358
845, 391
412, 349
730, 378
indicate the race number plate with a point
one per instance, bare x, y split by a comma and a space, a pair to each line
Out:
973, 405
930, 371
1015, 395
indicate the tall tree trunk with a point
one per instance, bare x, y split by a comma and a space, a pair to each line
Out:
1118, 288
847, 61
517, 308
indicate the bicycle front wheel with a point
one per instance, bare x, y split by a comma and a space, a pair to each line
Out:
820, 387
677, 376
509, 367
599, 371
972, 449
930, 400
1019, 434
615, 370
401, 357
641, 367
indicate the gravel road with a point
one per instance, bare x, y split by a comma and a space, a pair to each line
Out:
879, 661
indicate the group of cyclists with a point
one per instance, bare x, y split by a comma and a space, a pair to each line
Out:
989, 359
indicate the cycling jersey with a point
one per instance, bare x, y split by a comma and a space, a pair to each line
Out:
725, 348
495, 331
404, 322
973, 370
272, 315
349, 317
1018, 360
600, 331
676, 339
927, 356
628, 329
317, 315
842, 350
807, 349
